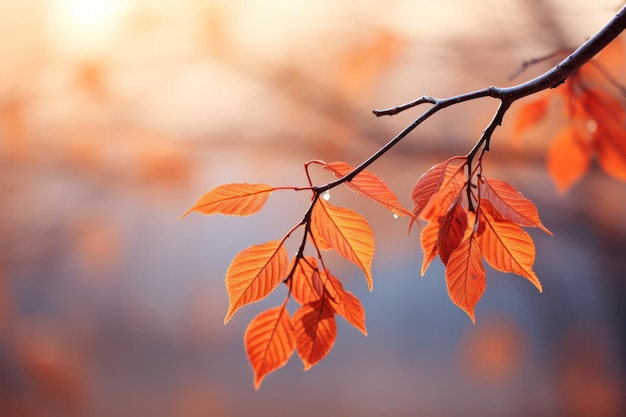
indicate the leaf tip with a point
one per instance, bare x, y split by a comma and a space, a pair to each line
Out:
546, 230
258, 379
532, 277
229, 315
472, 316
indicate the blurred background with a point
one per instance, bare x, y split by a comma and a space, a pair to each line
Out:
115, 115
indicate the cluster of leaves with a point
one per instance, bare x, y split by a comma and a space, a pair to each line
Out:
592, 102
469, 217
472, 217
257, 271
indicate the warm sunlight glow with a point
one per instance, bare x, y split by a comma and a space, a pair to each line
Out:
84, 28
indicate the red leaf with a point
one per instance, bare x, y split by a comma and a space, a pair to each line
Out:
428, 240
505, 246
269, 340
611, 56
315, 330
306, 284
604, 109
436, 184
511, 204
232, 199
611, 149
348, 233
609, 135
347, 304
528, 115
465, 275
369, 186
451, 230
254, 273
568, 156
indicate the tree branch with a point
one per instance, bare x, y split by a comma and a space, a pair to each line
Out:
550, 79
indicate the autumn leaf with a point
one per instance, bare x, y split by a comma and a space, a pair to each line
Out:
510, 203
347, 305
465, 275
602, 108
436, 200
611, 150
254, 273
270, 339
316, 331
611, 56
505, 246
451, 230
309, 284
428, 240
609, 133
369, 186
348, 233
305, 283
233, 200
528, 115
569, 155
434, 181
317, 238
597, 124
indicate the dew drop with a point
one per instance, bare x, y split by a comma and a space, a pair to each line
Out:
326, 195
395, 216
592, 126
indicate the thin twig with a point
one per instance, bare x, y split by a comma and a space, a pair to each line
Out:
609, 77
398, 109
535, 61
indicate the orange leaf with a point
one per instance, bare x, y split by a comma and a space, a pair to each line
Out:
568, 156
451, 230
233, 200
449, 191
434, 182
505, 246
604, 109
348, 233
347, 305
306, 284
611, 56
609, 135
428, 240
611, 150
369, 186
528, 115
316, 331
318, 238
269, 341
465, 275
254, 273
510, 204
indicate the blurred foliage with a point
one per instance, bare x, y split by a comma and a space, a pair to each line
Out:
115, 115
